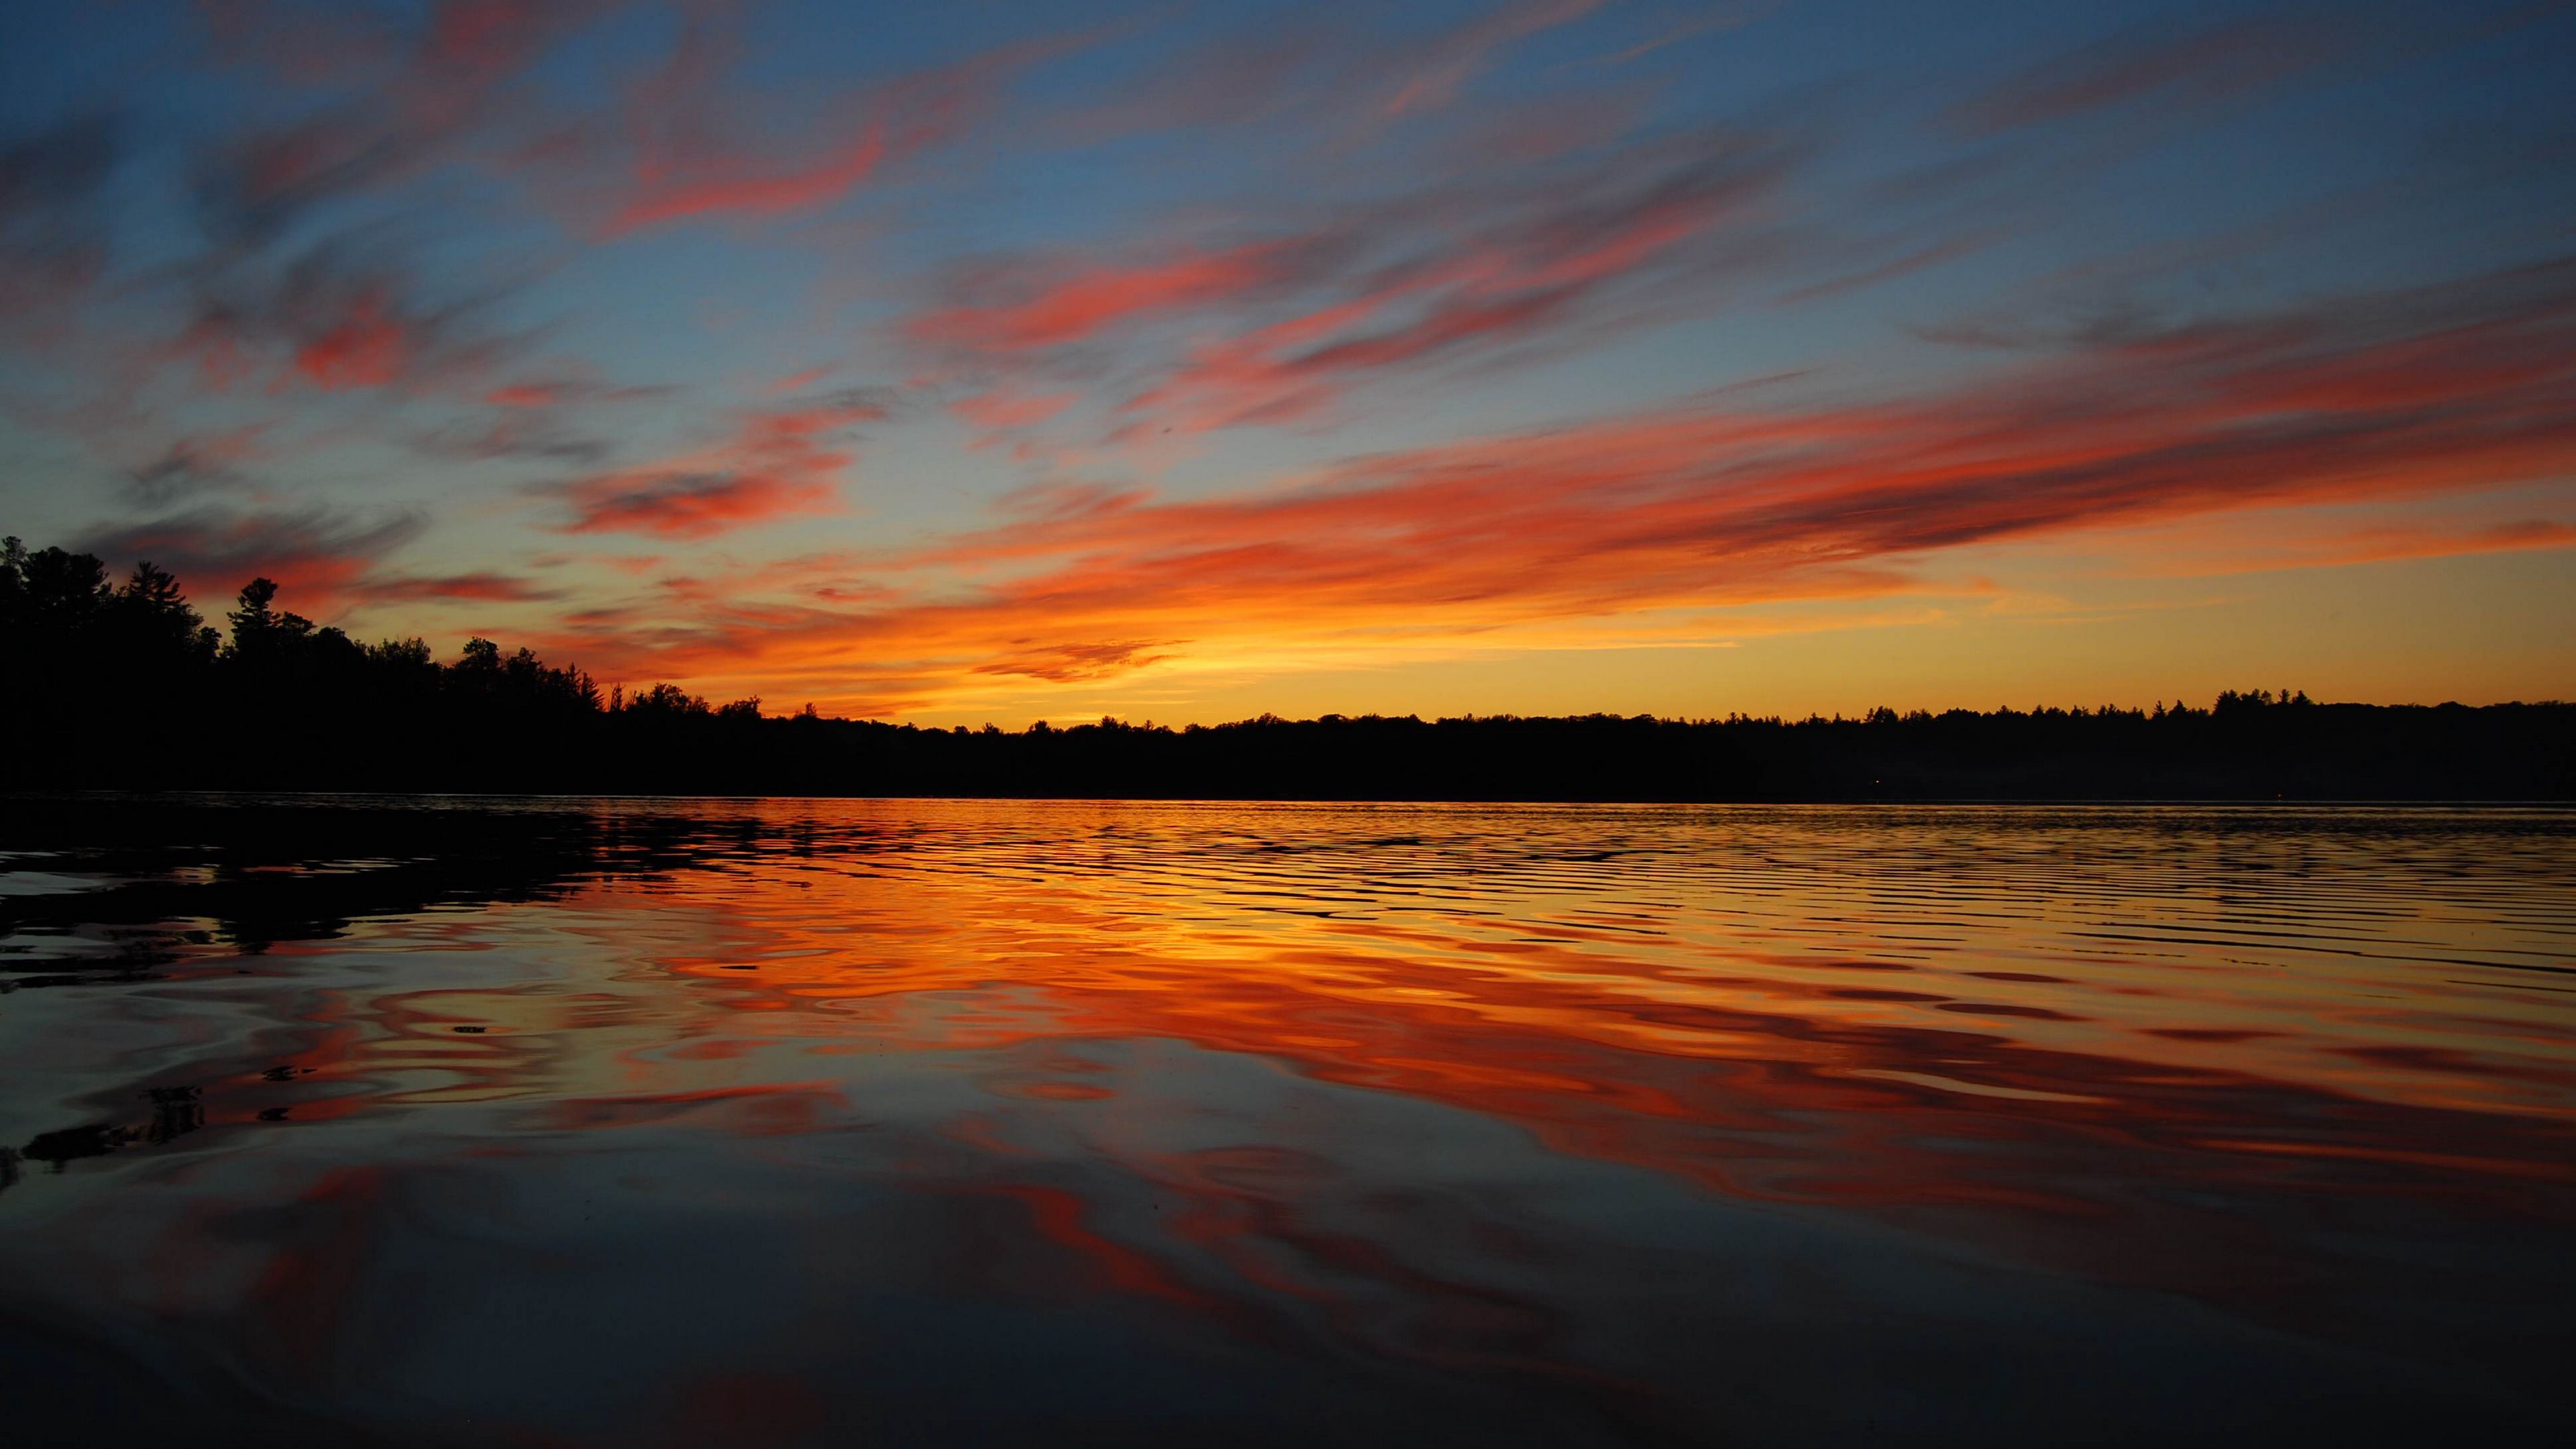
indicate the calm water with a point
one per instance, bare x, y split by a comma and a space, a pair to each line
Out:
840, 1122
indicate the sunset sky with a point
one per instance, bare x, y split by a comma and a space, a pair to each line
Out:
981, 361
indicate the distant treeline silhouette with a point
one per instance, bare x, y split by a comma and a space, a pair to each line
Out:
125, 686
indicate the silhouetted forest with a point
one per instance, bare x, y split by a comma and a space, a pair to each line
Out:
125, 686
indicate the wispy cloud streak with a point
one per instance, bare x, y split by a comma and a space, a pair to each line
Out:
778, 463
1702, 507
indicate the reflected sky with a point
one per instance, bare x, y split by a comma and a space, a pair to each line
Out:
647, 1122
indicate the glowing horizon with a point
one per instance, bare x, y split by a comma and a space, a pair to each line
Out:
1184, 365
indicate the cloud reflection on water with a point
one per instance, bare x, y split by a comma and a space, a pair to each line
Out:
1650, 1123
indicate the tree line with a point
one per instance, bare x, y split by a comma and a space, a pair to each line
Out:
124, 685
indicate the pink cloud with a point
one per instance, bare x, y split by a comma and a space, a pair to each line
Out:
718, 187
1494, 292
1002, 411
483, 587
776, 464
1282, 329
683, 505
366, 348
693, 142
1457, 56
1079, 306
1697, 506
318, 557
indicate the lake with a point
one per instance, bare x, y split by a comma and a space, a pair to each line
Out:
476, 1121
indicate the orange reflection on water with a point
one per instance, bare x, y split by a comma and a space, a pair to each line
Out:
1447, 1092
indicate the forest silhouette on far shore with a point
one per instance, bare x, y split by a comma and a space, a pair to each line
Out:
125, 686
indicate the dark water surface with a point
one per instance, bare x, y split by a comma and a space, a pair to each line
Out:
644, 1123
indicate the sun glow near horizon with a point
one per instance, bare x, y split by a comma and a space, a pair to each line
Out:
1462, 358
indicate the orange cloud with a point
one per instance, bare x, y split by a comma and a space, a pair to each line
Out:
364, 349
1001, 411
1692, 506
687, 506
1080, 306
2218, 550
777, 464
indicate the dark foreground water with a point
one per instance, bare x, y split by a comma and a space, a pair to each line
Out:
645, 1123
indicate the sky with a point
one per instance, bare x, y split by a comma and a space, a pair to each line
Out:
1180, 362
